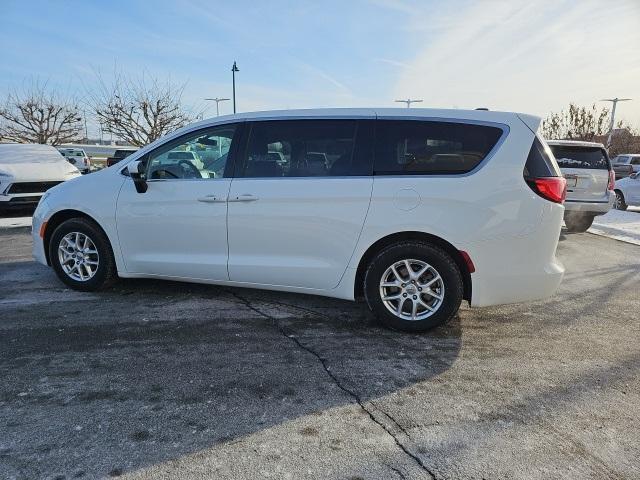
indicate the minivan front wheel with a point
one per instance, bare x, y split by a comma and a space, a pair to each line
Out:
81, 255
413, 286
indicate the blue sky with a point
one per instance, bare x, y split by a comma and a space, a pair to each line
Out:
531, 56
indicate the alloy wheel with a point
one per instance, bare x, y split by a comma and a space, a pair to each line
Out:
412, 289
618, 202
78, 256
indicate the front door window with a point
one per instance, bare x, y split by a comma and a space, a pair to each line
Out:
201, 155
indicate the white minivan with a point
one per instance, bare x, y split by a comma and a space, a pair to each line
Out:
414, 210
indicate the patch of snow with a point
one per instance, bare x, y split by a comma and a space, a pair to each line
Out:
15, 222
623, 226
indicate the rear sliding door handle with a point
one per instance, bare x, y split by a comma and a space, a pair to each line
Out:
245, 197
211, 199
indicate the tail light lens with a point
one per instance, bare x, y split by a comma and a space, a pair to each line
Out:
542, 174
553, 189
612, 180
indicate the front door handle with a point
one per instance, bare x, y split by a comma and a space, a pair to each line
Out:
245, 197
211, 199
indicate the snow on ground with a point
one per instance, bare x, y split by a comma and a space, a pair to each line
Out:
15, 222
624, 226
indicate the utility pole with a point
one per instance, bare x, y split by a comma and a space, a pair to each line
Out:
218, 100
614, 101
234, 69
409, 101
86, 132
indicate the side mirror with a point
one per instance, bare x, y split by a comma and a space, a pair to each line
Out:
136, 172
634, 175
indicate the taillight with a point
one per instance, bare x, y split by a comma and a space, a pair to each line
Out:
612, 180
553, 189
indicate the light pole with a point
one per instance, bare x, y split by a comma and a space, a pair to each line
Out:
613, 115
234, 69
218, 100
409, 101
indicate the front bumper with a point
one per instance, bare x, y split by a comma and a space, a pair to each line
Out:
19, 200
39, 218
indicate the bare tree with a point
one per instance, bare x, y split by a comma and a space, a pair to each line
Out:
576, 123
139, 112
37, 115
624, 140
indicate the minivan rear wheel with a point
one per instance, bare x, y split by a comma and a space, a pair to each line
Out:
413, 286
577, 222
80, 254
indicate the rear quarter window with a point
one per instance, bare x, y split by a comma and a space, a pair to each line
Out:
540, 162
569, 156
406, 147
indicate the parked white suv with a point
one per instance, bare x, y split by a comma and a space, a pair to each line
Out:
27, 171
590, 181
413, 209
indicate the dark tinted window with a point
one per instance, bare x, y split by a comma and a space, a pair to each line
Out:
569, 156
428, 147
122, 153
300, 148
540, 162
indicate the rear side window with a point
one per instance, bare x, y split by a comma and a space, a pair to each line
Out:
569, 156
414, 147
540, 162
300, 148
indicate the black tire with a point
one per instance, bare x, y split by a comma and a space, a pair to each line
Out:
445, 266
105, 274
578, 222
620, 203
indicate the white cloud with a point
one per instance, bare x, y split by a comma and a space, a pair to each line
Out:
528, 56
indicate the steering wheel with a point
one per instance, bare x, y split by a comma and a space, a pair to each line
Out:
163, 173
190, 168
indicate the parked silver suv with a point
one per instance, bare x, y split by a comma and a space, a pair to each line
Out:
590, 181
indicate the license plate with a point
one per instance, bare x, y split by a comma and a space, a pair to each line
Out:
571, 181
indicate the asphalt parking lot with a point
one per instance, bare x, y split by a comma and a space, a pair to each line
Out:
167, 380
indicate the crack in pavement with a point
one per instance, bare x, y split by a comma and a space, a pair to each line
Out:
339, 384
396, 470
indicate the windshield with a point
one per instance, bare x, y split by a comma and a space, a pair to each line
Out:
580, 157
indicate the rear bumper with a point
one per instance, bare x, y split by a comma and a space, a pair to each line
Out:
598, 208
519, 269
